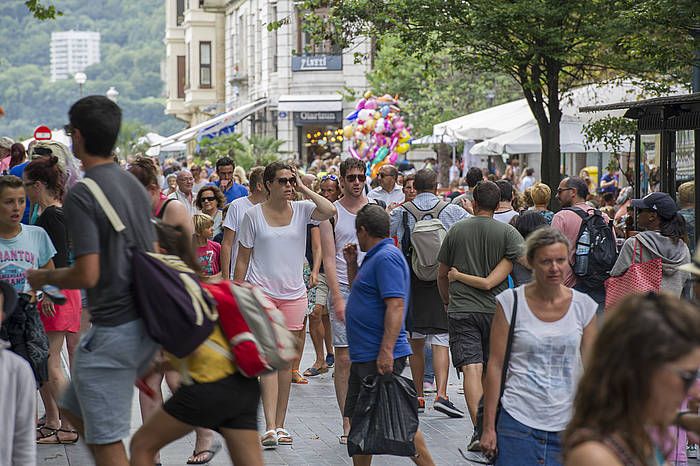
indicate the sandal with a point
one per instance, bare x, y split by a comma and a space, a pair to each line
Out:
49, 436
314, 371
343, 439
41, 422
330, 359
269, 440
298, 378
209, 455
283, 437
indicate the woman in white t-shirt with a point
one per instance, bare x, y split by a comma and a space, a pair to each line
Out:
555, 328
272, 245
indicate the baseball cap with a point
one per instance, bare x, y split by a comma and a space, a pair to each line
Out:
6, 143
661, 203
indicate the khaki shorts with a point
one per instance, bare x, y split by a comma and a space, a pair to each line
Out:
321, 298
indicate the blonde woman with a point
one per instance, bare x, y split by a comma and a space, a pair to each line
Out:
541, 195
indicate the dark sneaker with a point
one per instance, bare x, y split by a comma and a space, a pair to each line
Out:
446, 407
474, 443
421, 404
475, 457
330, 360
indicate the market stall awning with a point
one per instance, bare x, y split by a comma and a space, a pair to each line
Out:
433, 139
526, 140
214, 125
310, 103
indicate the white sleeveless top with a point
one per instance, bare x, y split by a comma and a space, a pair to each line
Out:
345, 233
545, 362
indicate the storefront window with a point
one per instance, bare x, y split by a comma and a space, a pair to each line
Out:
326, 141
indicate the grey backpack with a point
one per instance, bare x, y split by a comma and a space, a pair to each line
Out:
426, 239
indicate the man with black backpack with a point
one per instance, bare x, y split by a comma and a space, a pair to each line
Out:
420, 226
117, 348
593, 250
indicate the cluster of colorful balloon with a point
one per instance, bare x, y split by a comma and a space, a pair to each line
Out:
377, 132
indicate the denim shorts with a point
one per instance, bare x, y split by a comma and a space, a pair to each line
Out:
520, 444
340, 335
105, 365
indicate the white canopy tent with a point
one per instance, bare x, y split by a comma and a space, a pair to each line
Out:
433, 139
504, 118
526, 140
154, 140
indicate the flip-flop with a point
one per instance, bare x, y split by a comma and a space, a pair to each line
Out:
298, 378
313, 371
210, 454
330, 360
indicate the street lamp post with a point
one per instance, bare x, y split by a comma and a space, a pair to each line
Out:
112, 94
80, 79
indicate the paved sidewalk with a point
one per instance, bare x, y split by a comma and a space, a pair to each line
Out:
314, 421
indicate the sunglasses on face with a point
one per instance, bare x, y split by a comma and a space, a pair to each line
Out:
353, 178
291, 180
208, 199
382, 175
561, 190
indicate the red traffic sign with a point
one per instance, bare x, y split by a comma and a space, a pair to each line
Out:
42, 133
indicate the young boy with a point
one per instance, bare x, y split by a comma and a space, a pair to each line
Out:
208, 251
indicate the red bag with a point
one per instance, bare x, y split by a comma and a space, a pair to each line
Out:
641, 277
254, 327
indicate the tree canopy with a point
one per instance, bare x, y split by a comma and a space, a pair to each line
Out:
546, 46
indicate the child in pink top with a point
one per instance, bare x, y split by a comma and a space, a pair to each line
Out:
208, 251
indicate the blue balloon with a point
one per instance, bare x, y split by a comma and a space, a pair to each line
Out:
352, 116
385, 111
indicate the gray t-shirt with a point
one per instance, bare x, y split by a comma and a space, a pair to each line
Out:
475, 246
111, 302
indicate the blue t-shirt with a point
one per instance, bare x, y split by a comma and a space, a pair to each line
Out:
18, 171
608, 178
30, 249
383, 274
233, 192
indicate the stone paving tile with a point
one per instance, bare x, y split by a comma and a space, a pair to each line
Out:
314, 421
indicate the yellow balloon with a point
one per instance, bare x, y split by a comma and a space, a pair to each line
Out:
377, 115
368, 94
403, 148
347, 131
369, 124
377, 166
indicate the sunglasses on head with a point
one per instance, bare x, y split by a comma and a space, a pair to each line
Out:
291, 180
208, 198
329, 177
353, 178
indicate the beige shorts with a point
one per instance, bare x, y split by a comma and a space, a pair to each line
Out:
322, 292
439, 339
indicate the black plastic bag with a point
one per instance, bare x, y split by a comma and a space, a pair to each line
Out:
385, 421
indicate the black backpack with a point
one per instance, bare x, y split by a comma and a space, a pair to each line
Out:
593, 269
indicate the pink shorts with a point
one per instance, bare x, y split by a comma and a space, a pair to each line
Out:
67, 317
294, 311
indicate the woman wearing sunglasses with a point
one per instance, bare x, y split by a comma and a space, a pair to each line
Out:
643, 364
210, 200
272, 244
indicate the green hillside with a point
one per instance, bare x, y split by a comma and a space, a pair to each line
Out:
131, 52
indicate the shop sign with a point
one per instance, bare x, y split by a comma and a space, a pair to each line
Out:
317, 62
304, 118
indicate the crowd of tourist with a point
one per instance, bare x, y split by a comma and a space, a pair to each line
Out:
385, 275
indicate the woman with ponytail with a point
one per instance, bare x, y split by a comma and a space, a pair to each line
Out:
44, 182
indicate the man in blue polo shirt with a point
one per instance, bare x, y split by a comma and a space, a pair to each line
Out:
231, 189
375, 312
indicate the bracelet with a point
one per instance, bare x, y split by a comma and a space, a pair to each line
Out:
679, 415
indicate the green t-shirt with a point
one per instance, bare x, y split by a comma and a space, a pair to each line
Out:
475, 246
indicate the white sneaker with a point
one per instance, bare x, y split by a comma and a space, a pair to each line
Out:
429, 387
692, 451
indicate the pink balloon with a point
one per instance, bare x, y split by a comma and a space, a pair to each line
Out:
399, 124
354, 153
392, 157
361, 104
371, 104
394, 142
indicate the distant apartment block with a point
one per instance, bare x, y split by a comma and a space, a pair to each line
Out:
72, 52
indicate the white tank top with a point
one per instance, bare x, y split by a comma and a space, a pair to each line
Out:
345, 233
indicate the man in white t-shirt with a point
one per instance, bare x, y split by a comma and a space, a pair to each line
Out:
504, 212
334, 237
234, 217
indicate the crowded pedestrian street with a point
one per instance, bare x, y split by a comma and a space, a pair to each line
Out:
280, 232
313, 423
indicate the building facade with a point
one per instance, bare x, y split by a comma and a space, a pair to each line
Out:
72, 52
302, 83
